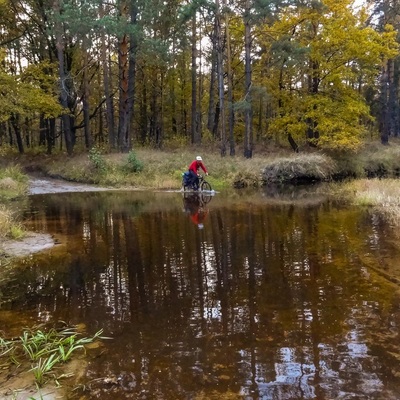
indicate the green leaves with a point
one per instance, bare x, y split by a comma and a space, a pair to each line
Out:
29, 93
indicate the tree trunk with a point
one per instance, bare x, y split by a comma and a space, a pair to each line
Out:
123, 77
17, 130
383, 125
50, 134
107, 86
160, 125
313, 89
42, 130
211, 102
293, 144
248, 129
65, 118
392, 99
86, 94
220, 74
173, 94
231, 115
194, 131
132, 73
143, 108
396, 102
127, 66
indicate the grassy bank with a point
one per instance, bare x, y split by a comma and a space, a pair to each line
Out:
161, 169
145, 168
13, 185
380, 194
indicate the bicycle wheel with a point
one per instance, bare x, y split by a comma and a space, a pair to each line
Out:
205, 186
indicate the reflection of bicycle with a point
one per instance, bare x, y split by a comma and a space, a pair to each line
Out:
195, 205
200, 199
203, 185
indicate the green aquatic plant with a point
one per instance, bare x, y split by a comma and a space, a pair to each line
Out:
6, 346
45, 349
43, 367
38, 344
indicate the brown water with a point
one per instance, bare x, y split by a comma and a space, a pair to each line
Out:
272, 297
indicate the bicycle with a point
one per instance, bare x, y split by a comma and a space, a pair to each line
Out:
203, 185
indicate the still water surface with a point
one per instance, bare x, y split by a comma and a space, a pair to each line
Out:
257, 296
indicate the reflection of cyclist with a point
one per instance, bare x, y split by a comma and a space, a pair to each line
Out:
199, 216
194, 207
194, 171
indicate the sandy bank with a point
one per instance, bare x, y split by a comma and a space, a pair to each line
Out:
34, 242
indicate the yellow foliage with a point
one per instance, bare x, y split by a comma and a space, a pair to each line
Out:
324, 53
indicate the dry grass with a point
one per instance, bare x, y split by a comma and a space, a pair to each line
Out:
161, 169
308, 167
10, 228
383, 194
13, 184
377, 192
5, 221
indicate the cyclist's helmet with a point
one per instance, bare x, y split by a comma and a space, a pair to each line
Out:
198, 158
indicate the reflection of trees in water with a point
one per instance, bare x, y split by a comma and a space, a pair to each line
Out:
251, 303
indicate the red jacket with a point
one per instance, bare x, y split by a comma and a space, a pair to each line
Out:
196, 165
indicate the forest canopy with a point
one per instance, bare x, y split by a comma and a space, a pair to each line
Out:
75, 74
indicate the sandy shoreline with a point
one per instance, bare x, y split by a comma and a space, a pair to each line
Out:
34, 242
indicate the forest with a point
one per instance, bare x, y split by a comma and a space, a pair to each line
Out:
75, 74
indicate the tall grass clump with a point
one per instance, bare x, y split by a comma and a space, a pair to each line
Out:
10, 227
381, 161
372, 161
304, 167
13, 183
382, 195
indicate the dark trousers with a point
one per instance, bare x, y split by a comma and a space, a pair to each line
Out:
193, 178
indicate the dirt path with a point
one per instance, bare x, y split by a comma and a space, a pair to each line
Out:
47, 185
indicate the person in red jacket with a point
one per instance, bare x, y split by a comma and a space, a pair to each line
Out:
194, 171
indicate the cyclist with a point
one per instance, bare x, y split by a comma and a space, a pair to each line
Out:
194, 171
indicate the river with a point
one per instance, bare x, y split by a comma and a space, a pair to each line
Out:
267, 294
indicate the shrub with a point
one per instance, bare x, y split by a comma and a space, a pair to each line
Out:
133, 163
97, 159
